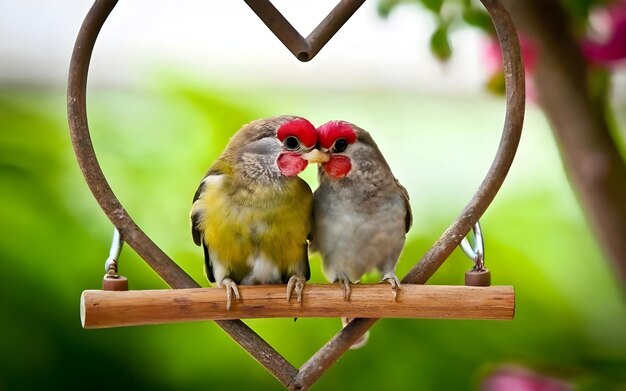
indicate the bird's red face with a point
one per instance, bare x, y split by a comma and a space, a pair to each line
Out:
299, 138
335, 137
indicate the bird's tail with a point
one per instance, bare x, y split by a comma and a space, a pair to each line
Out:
361, 341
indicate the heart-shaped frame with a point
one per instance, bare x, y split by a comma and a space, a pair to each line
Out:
304, 50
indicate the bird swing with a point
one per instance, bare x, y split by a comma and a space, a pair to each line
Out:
115, 305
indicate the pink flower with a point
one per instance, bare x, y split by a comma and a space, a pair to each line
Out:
606, 43
515, 378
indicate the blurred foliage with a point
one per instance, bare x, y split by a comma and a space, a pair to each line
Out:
155, 147
452, 14
447, 14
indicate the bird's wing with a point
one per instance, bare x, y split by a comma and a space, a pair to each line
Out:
198, 213
408, 219
213, 177
196, 216
208, 267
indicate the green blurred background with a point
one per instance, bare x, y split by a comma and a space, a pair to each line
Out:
155, 138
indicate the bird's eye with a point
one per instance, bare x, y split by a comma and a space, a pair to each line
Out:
291, 143
341, 145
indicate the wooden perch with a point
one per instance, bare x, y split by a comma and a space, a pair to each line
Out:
101, 309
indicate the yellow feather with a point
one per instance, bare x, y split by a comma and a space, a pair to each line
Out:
242, 223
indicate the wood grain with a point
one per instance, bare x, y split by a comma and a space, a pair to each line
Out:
102, 309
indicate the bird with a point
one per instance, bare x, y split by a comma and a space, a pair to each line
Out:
361, 213
252, 213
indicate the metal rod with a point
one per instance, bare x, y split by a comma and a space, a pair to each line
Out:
132, 234
282, 29
110, 266
317, 365
513, 122
475, 252
304, 49
331, 24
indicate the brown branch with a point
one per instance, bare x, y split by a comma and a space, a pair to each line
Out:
131, 233
589, 153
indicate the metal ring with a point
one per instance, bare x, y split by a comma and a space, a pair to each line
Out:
110, 266
475, 252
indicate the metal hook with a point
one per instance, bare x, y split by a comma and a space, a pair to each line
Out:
475, 252
110, 266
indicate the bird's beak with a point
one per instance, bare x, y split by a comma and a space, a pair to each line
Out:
316, 156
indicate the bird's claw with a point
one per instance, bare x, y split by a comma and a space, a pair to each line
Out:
347, 291
231, 289
296, 283
395, 284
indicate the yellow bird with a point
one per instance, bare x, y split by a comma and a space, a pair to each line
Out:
252, 213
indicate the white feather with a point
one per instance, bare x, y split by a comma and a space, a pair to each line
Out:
263, 271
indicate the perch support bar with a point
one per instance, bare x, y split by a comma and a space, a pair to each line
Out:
101, 309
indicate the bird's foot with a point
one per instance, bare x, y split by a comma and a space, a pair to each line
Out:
362, 341
231, 289
345, 284
395, 284
295, 283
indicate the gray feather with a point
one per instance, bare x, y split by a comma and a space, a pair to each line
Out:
360, 221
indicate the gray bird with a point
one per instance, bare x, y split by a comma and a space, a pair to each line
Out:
361, 213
